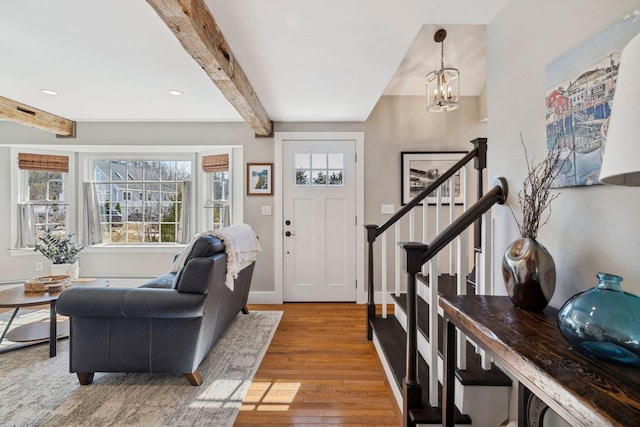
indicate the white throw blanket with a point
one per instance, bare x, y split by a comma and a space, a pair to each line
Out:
240, 243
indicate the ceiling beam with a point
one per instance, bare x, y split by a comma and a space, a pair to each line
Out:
196, 29
29, 116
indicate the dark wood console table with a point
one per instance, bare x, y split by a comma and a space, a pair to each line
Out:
530, 347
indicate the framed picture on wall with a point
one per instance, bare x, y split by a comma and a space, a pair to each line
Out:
421, 168
259, 179
579, 100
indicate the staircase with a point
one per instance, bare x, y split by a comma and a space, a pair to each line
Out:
404, 340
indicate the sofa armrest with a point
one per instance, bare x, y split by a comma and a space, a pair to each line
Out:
163, 304
123, 302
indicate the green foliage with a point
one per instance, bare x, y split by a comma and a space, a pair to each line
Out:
168, 231
301, 177
118, 207
58, 248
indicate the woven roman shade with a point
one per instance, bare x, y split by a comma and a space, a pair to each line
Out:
215, 163
43, 162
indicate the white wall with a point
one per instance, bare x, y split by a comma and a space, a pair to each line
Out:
591, 229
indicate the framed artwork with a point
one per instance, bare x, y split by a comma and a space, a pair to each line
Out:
259, 179
421, 168
579, 99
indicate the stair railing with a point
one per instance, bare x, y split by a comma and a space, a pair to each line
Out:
478, 154
416, 255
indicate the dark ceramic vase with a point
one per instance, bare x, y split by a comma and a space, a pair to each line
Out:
603, 322
529, 274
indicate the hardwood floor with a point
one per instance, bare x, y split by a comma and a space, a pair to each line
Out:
319, 369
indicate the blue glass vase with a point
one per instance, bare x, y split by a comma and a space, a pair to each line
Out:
603, 322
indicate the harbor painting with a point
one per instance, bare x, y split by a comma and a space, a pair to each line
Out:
421, 169
259, 179
579, 100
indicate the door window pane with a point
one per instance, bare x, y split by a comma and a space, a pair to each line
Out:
319, 169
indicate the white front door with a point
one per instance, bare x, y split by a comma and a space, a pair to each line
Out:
319, 220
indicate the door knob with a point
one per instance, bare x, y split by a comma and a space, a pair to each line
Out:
289, 233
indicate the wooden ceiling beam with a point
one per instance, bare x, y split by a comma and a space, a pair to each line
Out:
194, 26
29, 116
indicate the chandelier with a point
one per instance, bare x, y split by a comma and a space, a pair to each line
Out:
443, 85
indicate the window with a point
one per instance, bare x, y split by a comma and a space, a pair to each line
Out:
140, 201
218, 185
45, 192
319, 169
42, 198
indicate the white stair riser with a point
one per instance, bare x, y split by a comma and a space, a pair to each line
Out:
486, 405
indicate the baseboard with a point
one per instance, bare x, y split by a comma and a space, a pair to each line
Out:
264, 298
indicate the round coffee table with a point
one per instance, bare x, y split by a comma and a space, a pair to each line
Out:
17, 298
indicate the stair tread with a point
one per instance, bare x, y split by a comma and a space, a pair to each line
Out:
473, 374
392, 339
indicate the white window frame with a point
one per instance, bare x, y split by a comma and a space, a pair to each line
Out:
235, 176
18, 184
87, 161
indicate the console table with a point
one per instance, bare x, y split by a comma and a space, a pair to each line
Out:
530, 347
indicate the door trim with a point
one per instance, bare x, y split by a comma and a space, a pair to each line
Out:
279, 139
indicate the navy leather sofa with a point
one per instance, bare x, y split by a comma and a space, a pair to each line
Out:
166, 325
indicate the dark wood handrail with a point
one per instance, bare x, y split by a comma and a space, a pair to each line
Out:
416, 255
498, 194
424, 193
479, 155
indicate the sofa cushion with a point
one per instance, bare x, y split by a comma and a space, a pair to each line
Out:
164, 281
203, 247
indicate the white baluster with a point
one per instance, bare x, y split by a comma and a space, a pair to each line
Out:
433, 334
425, 229
412, 225
462, 272
383, 242
452, 204
486, 271
398, 264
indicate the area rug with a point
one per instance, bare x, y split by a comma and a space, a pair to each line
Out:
39, 391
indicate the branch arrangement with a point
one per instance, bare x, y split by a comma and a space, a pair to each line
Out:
535, 196
59, 249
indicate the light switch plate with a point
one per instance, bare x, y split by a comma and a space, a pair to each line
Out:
387, 209
266, 210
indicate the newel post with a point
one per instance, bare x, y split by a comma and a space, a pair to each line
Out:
411, 389
371, 304
480, 164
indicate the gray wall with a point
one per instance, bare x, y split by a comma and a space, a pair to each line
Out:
591, 229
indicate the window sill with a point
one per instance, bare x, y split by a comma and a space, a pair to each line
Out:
24, 252
123, 249
120, 249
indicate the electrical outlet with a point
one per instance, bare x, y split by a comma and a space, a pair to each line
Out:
39, 266
387, 209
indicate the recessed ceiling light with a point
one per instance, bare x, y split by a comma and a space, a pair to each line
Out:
175, 92
49, 91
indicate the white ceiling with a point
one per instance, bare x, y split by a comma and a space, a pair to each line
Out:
327, 60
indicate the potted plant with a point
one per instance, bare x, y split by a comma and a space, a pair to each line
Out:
528, 269
61, 251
